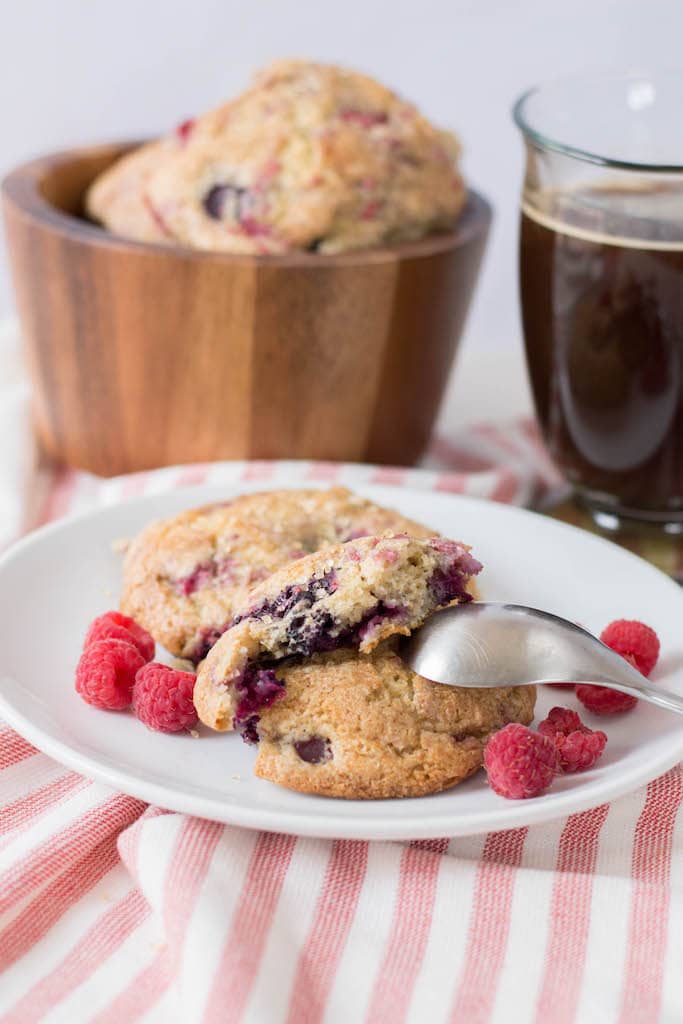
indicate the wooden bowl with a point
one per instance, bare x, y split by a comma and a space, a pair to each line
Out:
145, 355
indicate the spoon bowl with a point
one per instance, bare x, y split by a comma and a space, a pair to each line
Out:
486, 644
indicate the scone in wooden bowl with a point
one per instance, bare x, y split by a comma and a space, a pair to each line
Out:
145, 355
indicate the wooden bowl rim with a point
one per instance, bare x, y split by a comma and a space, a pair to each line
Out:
21, 188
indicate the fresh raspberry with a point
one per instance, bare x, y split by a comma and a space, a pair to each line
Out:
520, 762
578, 751
561, 720
629, 637
106, 673
603, 701
162, 698
115, 626
578, 747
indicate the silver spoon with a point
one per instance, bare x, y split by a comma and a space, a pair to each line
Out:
485, 644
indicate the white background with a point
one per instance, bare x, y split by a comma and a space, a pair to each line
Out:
83, 70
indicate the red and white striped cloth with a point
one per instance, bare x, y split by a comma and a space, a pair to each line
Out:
111, 911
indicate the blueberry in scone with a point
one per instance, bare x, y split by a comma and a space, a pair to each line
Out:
353, 595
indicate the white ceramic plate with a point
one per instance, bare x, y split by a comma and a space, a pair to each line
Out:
56, 580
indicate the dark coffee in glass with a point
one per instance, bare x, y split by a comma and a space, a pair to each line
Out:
601, 278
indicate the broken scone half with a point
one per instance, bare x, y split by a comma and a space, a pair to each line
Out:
354, 595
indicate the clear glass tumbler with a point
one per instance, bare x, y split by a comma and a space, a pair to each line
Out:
601, 280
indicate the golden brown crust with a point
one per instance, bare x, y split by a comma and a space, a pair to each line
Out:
244, 540
311, 156
391, 733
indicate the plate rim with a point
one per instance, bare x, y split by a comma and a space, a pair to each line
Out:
520, 813
327, 824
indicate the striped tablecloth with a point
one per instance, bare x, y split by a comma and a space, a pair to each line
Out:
112, 911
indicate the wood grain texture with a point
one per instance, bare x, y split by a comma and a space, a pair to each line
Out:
143, 355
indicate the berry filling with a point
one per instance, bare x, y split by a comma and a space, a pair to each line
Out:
315, 750
450, 583
297, 595
375, 619
204, 575
308, 638
313, 632
207, 638
256, 688
447, 586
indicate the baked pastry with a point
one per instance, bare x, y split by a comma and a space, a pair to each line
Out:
119, 196
355, 594
311, 157
186, 577
365, 726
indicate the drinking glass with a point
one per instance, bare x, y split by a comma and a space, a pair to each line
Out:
601, 281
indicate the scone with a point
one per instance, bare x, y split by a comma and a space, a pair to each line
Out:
356, 594
185, 578
366, 727
311, 157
